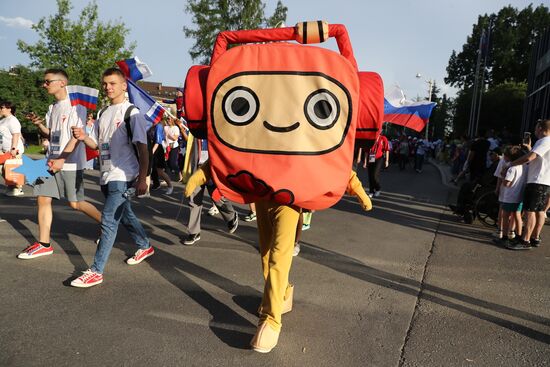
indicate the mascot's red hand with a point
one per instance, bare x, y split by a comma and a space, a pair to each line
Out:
199, 178
356, 188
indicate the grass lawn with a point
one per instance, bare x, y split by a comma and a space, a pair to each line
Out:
34, 149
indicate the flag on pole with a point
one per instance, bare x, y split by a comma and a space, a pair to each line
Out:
134, 69
84, 96
400, 111
152, 110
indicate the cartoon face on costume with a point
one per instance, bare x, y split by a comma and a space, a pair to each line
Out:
280, 118
257, 112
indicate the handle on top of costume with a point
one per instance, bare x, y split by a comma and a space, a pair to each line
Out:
305, 32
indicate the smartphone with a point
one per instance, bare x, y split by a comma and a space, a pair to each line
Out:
527, 137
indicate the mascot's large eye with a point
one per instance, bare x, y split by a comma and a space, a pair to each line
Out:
240, 106
322, 109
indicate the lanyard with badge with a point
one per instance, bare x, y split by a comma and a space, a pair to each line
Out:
105, 136
372, 152
58, 119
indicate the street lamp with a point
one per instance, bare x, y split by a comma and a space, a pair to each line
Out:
431, 83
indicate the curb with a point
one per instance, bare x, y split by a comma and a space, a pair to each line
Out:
444, 175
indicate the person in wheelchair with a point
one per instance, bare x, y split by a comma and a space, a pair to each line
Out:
470, 191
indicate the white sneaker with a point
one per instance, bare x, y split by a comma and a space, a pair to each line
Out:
15, 192
377, 193
213, 211
169, 190
296, 249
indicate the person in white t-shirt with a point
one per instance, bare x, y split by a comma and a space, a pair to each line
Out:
172, 134
511, 196
537, 189
10, 139
66, 159
124, 162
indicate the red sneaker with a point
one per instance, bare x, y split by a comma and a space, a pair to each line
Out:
140, 255
87, 279
35, 250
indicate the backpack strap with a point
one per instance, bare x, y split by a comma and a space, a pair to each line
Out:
101, 112
127, 116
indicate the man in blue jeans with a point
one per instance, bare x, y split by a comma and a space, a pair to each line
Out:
122, 174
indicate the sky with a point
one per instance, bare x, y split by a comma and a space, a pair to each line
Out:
396, 38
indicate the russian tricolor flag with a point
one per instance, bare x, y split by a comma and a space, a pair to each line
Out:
144, 102
155, 113
400, 111
84, 96
134, 69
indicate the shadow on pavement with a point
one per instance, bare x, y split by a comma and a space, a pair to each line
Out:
361, 271
224, 322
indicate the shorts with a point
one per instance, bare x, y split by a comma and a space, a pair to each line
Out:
535, 197
67, 184
511, 207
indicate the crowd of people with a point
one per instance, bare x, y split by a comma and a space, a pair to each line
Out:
519, 174
135, 155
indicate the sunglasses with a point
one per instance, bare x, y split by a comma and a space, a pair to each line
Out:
50, 81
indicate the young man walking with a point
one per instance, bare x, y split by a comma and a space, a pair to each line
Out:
121, 137
66, 159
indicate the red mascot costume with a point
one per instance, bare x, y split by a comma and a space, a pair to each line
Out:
281, 121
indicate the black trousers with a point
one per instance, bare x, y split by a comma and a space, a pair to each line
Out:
374, 169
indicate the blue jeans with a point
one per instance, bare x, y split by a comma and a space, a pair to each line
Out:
117, 209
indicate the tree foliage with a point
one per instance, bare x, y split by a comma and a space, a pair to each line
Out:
513, 34
84, 48
213, 16
23, 87
501, 110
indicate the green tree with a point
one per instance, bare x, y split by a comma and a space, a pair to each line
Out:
441, 118
513, 34
22, 86
84, 48
501, 109
213, 16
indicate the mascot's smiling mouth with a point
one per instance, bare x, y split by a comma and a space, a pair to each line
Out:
278, 129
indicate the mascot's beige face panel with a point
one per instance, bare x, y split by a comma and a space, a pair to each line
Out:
305, 113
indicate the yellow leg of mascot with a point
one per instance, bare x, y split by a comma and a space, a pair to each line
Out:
277, 231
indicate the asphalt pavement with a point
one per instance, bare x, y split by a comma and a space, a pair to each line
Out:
406, 284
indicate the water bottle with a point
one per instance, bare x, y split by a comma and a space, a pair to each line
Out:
129, 193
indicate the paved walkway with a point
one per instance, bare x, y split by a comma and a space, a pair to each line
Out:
403, 285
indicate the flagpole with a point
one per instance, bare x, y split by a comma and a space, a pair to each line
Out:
431, 83
484, 53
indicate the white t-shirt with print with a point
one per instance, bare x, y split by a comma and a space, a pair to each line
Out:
61, 116
173, 130
498, 172
513, 193
118, 161
8, 126
539, 168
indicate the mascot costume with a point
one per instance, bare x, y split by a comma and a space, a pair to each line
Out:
281, 121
